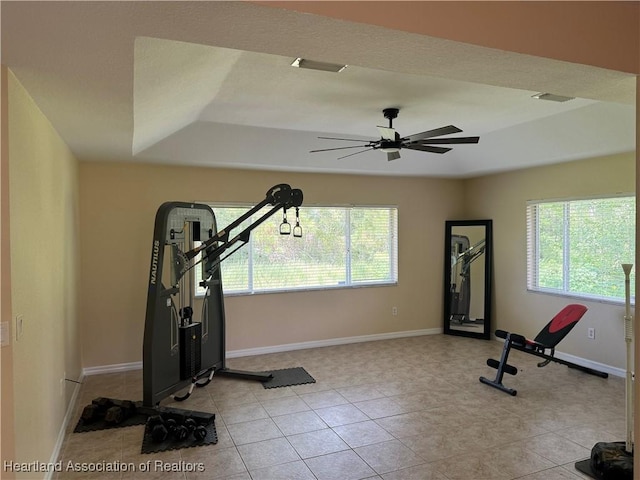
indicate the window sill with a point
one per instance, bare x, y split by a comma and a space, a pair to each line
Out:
306, 289
585, 298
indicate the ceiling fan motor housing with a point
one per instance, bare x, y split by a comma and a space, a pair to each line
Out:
390, 113
390, 146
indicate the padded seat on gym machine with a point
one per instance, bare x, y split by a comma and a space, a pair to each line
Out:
547, 339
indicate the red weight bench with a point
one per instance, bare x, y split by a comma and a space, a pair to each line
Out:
547, 339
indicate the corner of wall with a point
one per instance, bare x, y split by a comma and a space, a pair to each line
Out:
7, 439
41, 207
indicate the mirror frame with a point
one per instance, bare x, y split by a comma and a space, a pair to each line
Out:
488, 271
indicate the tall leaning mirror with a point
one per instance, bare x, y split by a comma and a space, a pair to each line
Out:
467, 278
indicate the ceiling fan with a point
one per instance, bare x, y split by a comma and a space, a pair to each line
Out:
391, 142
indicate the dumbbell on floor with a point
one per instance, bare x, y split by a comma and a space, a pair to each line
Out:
162, 428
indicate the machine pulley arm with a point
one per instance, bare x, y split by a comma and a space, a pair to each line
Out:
280, 196
470, 255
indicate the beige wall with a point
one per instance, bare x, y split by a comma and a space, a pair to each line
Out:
43, 188
503, 197
117, 229
118, 203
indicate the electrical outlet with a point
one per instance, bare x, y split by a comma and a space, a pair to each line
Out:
394, 311
591, 333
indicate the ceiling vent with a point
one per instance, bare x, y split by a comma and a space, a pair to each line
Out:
551, 97
313, 65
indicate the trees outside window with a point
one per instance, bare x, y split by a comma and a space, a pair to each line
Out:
340, 247
576, 247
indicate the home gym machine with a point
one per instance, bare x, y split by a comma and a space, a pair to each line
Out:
462, 256
184, 335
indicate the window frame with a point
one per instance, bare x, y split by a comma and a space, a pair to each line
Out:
533, 250
349, 283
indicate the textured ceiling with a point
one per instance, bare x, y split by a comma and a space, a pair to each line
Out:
210, 83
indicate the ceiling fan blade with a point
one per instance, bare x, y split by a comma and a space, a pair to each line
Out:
392, 156
345, 139
427, 148
387, 133
352, 154
448, 130
450, 140
337, 148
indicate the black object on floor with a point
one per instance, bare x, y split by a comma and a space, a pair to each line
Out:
172, 431
104, 413
288, 377
609, 461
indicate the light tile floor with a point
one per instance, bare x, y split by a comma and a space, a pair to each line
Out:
403, 409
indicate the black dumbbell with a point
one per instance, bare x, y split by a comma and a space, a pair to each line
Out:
128, 408
190, 424
180, 433
114, 415
90, 413
159, 433
103, 403
171, 424
200, 432
154, 420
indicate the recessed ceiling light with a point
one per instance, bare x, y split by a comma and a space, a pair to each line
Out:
323, 66
551, 97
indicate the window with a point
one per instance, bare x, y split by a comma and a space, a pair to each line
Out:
576, 247
340, 247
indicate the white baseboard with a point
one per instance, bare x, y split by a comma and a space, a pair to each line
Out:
63, 429
601, 367
115, 368
287, 347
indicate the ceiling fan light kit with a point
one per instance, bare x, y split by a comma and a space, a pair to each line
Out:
391, 142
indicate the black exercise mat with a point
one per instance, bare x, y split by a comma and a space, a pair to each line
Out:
149, 446
287, 377
584, 466
139, 417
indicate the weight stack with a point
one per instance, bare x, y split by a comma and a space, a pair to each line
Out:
190, 350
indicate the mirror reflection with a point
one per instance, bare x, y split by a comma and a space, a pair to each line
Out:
467, 280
